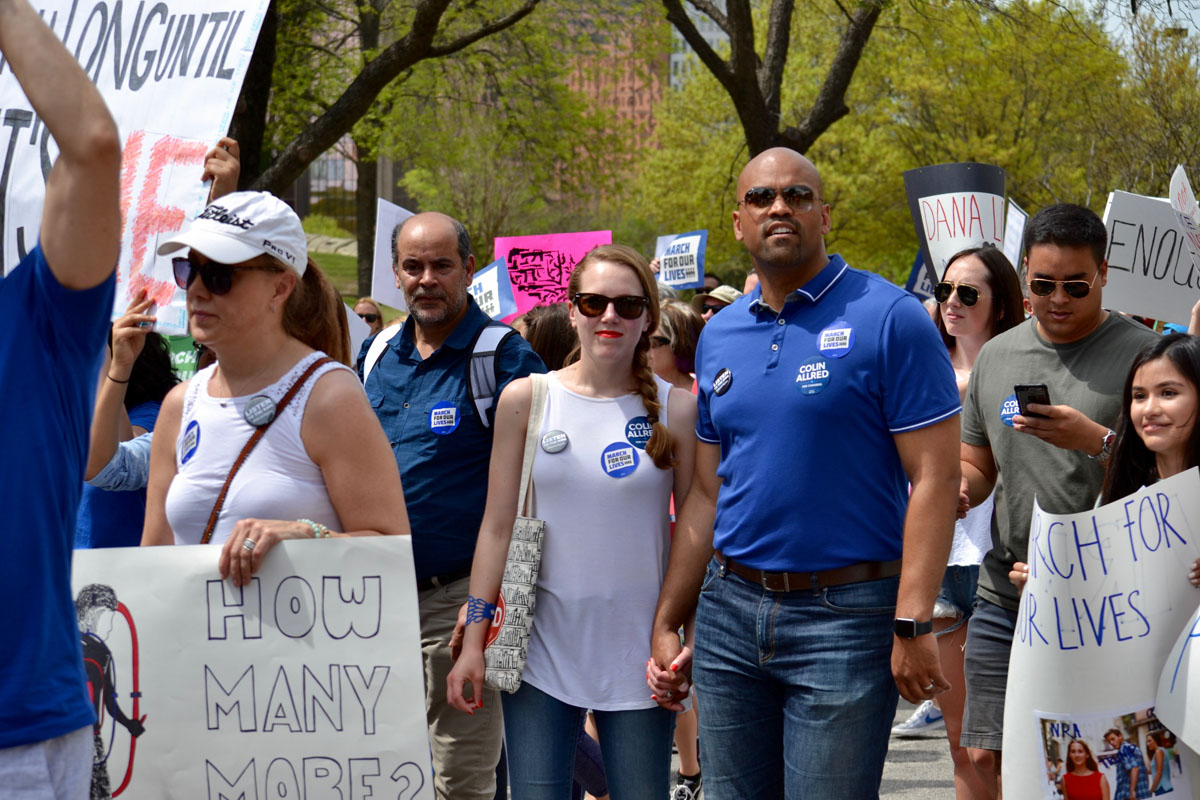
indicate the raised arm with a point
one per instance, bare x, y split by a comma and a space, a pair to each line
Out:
81, 219
110, 423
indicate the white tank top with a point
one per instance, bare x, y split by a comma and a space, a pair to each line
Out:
277, 481
605, 551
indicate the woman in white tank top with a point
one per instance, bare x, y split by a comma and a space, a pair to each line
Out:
324, 466
629, 441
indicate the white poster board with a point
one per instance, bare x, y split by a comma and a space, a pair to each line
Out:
1178, 698
1183, 202
383, 279
957, 220
1106, 599
1150, 272
1014, 233
359, 331
170, 73
306, 683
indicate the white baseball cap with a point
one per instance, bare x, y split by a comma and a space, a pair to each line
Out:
240, 226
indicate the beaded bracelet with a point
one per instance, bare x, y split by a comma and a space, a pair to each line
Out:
479, 610
319, 530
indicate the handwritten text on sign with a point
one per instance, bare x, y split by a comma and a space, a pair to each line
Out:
305, 683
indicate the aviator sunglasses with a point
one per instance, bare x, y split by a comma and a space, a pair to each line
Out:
1044, 287
968, 295
628, 306
217, 277
798, 198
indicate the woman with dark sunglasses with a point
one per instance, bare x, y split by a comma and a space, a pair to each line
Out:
270, 316
615, 441
979, 297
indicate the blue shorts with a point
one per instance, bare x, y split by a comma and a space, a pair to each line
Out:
958, 590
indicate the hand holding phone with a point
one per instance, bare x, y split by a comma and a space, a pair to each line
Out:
1031, 393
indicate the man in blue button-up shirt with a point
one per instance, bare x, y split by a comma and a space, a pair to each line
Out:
420, 390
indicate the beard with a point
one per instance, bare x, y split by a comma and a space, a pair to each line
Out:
451, 307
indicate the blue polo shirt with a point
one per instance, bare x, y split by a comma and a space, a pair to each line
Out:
805, 405
443, 451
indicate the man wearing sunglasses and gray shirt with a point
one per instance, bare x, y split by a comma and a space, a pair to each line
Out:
1082, 354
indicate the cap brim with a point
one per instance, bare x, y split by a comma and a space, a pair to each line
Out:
215, 246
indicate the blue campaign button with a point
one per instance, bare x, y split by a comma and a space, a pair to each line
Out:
836, 340
619, 459
638, 431
1009, 408
813, 375
444, 418
191, 441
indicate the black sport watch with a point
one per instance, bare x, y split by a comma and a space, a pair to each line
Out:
911, 629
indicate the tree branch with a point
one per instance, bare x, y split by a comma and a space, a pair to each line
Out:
779, 34
713, 13
687, 29
484, 30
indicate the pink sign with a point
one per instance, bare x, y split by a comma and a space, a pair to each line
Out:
540, 266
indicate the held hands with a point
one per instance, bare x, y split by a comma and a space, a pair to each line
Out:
222, 166
239, 561
917, 668
669, 685
1062, 426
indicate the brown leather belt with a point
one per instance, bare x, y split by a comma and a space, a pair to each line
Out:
812, 581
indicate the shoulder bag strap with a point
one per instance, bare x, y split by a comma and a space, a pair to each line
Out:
254, 437
537, 407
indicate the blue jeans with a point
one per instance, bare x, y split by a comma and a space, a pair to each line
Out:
798, 692
541, 734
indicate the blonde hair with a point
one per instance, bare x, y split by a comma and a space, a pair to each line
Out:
659, 445
314, 314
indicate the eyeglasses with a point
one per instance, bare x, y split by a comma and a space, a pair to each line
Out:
660, 341
712, 308
217, 277
798, 198
371, 318
628, 306
1043, 287
968, 295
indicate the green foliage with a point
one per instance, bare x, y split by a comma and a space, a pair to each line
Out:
322, 225
1038, 88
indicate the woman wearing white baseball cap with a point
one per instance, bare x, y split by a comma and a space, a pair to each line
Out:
276, 440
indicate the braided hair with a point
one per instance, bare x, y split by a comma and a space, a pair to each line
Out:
659, 445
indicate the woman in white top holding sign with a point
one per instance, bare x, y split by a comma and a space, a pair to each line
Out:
614, 443
321, 465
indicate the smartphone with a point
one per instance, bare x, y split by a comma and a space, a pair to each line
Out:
1031, 393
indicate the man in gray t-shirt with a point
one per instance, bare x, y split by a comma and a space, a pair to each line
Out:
1082, 354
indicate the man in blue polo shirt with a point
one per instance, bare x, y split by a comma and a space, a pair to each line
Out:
420, 391
823, 393
55, 306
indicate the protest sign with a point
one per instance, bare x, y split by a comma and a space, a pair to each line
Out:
383, 278
1178, 698
1183, 202
358, 328
170, 73
1014, 233
681, 259
306, 683
493, 290
955, 206
540, 266
1149, 270
918, 280
1106, 599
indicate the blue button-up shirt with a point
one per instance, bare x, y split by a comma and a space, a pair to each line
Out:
129, 468
440, 445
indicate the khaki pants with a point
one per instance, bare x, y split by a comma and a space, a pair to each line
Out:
465, 748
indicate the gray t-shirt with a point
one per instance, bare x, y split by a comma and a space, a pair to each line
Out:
1087, 375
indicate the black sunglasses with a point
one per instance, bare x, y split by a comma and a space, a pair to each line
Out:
1044, 287
628, 306
371, 318
968, 295
217, 277
660, 341
712, 307
798, 198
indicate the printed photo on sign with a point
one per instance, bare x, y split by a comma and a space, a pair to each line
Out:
681, 259
1131, 754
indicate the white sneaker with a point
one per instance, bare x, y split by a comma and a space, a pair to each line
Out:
686, 790
926, 718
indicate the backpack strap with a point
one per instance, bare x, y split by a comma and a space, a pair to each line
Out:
481, 368
378, 345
